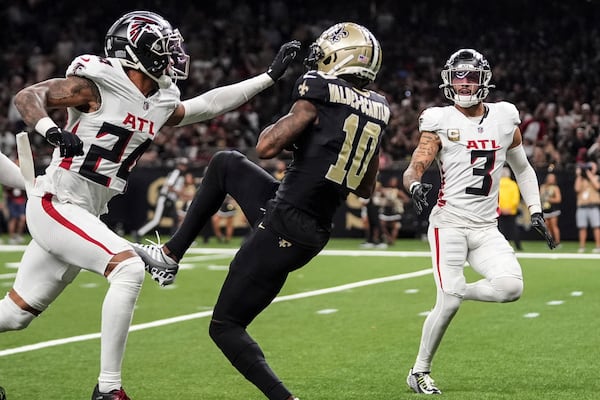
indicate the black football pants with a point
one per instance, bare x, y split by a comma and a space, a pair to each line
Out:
259, 269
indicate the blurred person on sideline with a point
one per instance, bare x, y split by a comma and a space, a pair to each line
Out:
587, 214
11, 180
369, 214
185, 196
167, 199
471, 142
551, 198
116, 106
391, 210
509, 199
227, 213
335, 141
16, 200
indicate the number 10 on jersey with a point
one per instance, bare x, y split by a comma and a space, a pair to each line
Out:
354, 171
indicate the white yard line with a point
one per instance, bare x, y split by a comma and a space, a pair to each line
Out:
219, 253
203, 314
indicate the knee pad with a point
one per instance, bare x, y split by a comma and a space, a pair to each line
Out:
448, 303
509, 287
129, 272
12, 317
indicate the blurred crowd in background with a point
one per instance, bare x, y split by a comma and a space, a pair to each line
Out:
544, 59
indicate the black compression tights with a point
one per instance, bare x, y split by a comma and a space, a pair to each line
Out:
247, 357
228, 172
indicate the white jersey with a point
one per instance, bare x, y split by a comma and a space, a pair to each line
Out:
114, 136
470, 160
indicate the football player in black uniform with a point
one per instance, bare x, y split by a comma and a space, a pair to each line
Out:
334, 129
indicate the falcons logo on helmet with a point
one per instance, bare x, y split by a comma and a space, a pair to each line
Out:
138, 26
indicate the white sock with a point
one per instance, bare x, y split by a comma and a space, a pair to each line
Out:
434, 328
117, 311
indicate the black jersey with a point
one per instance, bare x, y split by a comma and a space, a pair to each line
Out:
332, 155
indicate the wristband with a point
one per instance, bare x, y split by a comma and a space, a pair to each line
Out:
412, 186
44, 124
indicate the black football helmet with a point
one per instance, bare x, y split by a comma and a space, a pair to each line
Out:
346, 49
146, 41
470, 64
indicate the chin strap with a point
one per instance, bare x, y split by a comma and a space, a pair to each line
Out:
163, 81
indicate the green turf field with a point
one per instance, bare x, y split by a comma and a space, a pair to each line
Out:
345, 327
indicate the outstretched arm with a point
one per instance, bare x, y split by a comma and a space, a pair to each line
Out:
10, 174
226, 98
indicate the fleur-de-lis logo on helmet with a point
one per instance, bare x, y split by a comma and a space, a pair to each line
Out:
346, 49
338, 34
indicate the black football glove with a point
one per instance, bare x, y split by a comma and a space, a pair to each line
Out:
538, 223
70, 145
282, 60
419, 196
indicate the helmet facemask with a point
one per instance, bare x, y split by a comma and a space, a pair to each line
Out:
466, 67
147, 42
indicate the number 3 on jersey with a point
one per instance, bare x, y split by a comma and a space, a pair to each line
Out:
354, 171
489, 156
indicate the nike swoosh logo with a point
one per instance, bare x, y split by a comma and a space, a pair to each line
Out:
261, 226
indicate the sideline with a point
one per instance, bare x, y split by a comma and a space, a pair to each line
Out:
203, 314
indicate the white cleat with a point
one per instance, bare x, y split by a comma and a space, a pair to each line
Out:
421, 382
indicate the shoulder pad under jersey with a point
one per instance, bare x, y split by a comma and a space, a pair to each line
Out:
430, 118
93, 67
312, 86
509, 110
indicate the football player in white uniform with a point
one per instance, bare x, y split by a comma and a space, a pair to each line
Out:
471, 142
116, 106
